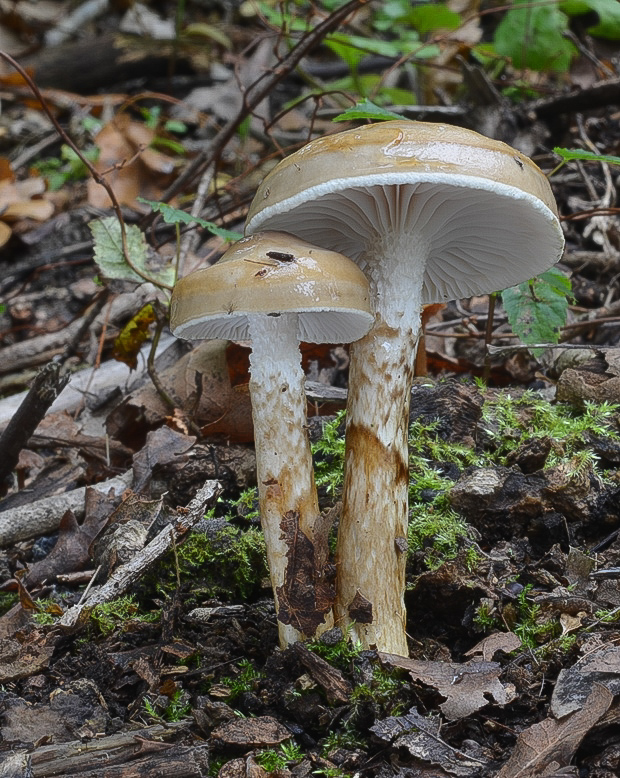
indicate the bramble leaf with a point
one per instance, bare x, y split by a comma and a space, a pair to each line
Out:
589, 156
175, 216
367, 110
536, 309
109, 256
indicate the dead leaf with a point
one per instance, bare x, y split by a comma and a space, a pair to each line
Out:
131, 168
133, 336
420, 736
163, 446
23, 659
575, 684
259, 732
307, 593
199, 383
490, 645
72, 712
571, 623
551, 744
68, 555
467, 687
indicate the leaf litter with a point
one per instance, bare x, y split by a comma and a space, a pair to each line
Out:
514, 661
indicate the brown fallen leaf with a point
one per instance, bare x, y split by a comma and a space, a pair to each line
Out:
259, 732
27, 656
72, 711
546, 747
163, 447
130, 166
574, 684
200, 384
490, 645
420, 735
16, 203
467, 687
69, 554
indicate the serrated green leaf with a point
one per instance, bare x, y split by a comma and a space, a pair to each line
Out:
608, 12
175, 216
109, 256
537, 309
367, 110
568, 154
533, 37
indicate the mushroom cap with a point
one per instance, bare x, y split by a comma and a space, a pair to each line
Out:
268, 274
483, 212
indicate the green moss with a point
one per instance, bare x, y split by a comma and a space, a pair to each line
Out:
346, 737
176, 709
531, 627
285, 755
233, 563
507, 420
328, 453
119, 614
245, 680
340, 654
434, 528
383, 690
7, 601
485, 617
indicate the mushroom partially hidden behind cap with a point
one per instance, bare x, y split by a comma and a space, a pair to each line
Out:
431, 213
276, 290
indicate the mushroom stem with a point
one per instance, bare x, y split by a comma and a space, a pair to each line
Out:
296, 551
372, 539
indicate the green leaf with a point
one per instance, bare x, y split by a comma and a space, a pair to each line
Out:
608, 12
533, 37
431, 18
367, 110
537, 309
175, 216
568, 154
108, 248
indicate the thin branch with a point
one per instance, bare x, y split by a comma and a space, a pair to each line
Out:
258, 91
93, 172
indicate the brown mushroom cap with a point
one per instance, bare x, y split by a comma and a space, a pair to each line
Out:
268, 274
484, 211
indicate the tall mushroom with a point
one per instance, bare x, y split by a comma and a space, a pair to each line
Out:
431, 213
275, 290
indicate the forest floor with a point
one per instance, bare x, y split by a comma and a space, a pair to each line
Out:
138, 634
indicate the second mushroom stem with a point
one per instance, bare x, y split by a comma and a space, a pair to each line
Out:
372, 538
296, 542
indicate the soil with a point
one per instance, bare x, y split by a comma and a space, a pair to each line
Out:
138, 635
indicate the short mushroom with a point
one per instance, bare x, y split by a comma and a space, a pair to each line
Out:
431, 213
276, 290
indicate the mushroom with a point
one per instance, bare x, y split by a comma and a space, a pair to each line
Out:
274, 290
431, 213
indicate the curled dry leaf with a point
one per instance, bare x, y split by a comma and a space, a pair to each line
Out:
467, 687
131, 167
490, 645
575, 684
17, 204
199, 383
420, 735
549, 745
